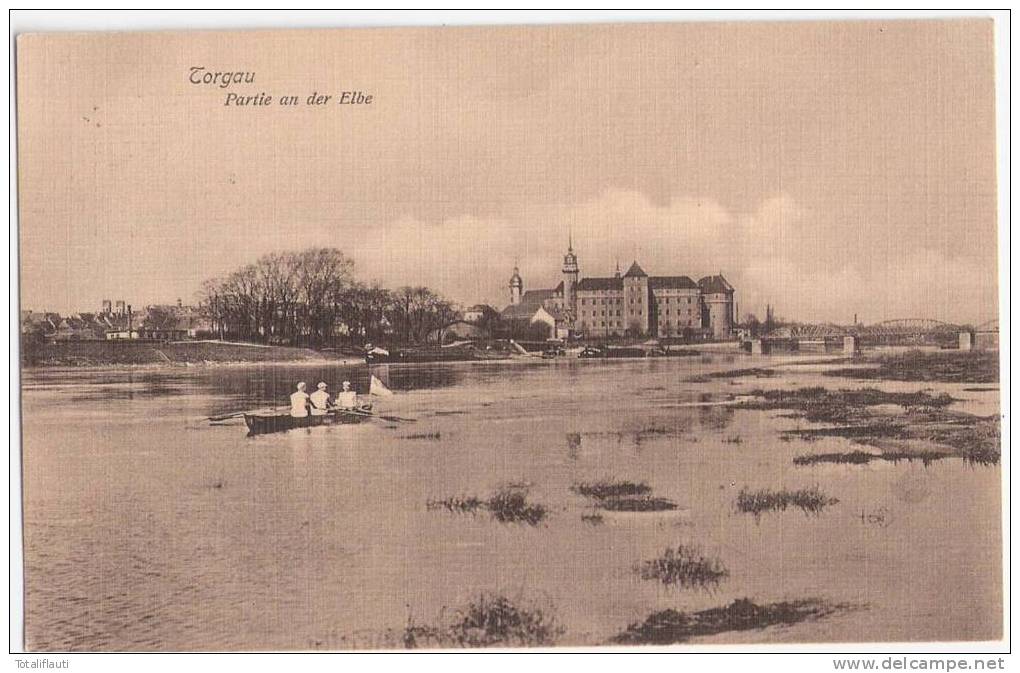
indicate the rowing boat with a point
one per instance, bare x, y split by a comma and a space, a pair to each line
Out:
260, 424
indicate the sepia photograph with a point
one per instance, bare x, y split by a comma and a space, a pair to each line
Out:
600, 335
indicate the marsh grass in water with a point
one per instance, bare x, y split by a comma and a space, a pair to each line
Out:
809, 500
593, 519
976, 439
459, 504
684, 567
508, 504
488, 621
672, 626
622, 496
610, 488
757, 372
944, 367
863, 457
431, 436
638, 503
651, 431
926, 417
820, 404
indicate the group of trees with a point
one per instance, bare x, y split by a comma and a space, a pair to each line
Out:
311, 298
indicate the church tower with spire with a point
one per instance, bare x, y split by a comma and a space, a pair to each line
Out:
516, 287
571, 272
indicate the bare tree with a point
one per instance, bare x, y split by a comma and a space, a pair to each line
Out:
311, 298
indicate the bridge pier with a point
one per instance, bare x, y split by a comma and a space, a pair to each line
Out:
850, 345
965, 341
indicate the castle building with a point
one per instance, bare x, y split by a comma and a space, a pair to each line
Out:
633, 303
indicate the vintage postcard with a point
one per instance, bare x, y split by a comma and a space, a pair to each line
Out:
519, 336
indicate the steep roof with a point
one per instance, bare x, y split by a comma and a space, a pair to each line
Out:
600, 284
715, 285
671, 283
50, 319
522, 311
537, 296
555, 313
635, 271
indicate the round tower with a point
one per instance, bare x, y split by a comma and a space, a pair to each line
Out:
516, 287
570, 276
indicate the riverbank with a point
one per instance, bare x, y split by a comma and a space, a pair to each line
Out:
160, 354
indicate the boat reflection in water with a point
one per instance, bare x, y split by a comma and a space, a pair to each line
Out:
261, 424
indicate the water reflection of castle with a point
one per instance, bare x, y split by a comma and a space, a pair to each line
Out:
632, 303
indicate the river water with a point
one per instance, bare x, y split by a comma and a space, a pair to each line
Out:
147, 528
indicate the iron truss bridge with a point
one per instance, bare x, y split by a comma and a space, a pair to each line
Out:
905, 328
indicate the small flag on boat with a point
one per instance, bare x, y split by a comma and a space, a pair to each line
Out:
376, 387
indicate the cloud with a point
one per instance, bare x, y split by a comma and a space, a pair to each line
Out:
774, 254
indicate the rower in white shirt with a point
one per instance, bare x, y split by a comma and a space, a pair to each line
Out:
347, 398
299, 402
320, 400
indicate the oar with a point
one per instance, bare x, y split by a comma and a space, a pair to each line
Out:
398, 419
369, 414
238, 414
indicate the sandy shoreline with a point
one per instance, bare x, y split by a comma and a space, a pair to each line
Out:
728, 348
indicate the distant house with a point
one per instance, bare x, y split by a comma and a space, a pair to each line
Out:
161, 334
120, 334
118, 326
480, 313
169, 322
40, 323
79, 327
531, 318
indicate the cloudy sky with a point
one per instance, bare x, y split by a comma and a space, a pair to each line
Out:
830, 169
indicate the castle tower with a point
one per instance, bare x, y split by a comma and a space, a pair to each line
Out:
570, 277
516, 287
637, 300
717, 306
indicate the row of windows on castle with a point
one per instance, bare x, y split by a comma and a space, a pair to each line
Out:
589, 317
662, 304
